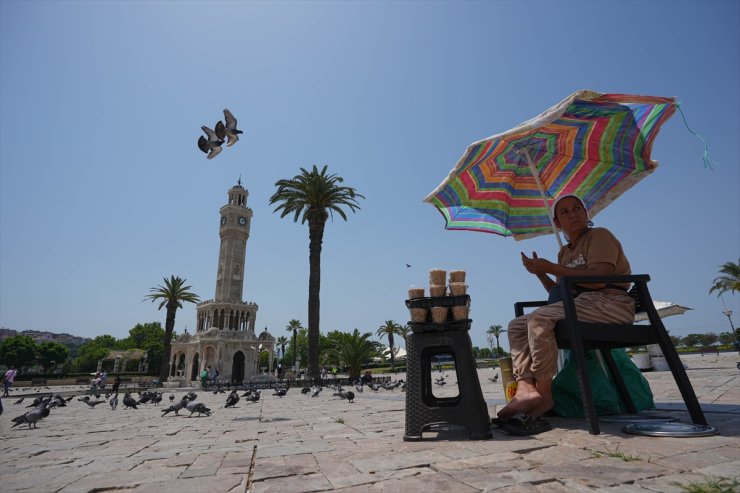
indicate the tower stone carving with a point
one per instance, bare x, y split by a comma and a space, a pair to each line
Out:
225, 335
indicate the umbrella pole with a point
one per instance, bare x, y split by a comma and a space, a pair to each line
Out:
536, 175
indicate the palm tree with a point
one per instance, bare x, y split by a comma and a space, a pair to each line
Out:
293, 326
404, 333
390, 328
729, 280
281, 341
314, 196
496, 331
171, 295
354, 350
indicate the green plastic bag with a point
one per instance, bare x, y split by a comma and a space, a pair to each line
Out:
566, 390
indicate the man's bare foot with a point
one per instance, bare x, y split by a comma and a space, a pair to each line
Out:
541, 408
525, 400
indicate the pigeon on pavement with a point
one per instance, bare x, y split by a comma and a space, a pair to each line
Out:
129, 401
197, 407
31, 417
232, 399
176, 407
114, 402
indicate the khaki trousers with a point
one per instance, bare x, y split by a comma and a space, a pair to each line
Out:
532, 336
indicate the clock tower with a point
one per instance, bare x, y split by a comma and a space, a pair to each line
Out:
225, 336
235, 220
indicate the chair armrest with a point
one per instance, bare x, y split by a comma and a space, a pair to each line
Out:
571, 280
519, 306
642, 297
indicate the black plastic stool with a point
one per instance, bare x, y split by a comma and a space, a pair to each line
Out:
423, 408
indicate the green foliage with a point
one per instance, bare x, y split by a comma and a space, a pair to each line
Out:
708, 338
710, 485
726, 338
619, 455
51, 354
691, 340
354, 350
729, 280
93, 351
18, 351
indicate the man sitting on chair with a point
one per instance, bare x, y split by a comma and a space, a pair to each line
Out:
590, 251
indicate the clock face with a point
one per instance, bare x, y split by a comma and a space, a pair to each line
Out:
242, 220
223, 220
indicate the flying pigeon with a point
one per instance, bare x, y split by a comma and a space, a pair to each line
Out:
231, 132
232, 399
408, 265
31, 417
220, 130
211, 145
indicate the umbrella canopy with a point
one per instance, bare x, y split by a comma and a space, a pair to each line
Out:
664, 309
592, 144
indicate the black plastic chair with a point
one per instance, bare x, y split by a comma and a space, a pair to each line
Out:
582, 336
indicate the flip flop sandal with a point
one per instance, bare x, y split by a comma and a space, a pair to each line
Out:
523, 424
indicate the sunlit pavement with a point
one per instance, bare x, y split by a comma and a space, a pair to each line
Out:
302, 444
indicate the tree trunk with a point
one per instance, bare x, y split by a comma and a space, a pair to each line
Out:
390, 347
169, 328
315, 239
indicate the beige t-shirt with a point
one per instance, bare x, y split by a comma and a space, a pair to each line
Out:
597, 245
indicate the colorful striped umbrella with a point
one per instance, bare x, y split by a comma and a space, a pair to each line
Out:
592, 144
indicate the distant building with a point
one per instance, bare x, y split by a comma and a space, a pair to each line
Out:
40, 336
225, 337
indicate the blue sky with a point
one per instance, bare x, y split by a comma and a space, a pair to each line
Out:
103, 191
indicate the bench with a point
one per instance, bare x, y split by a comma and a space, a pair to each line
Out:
709, 349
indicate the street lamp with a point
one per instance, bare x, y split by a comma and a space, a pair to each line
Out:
728, 313
490, 342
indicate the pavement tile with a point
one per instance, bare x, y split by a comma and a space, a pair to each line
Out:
304, 483
605, 471
428, 483
326, 444
227, 484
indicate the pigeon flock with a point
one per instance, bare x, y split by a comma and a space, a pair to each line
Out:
214, 139
41, 406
